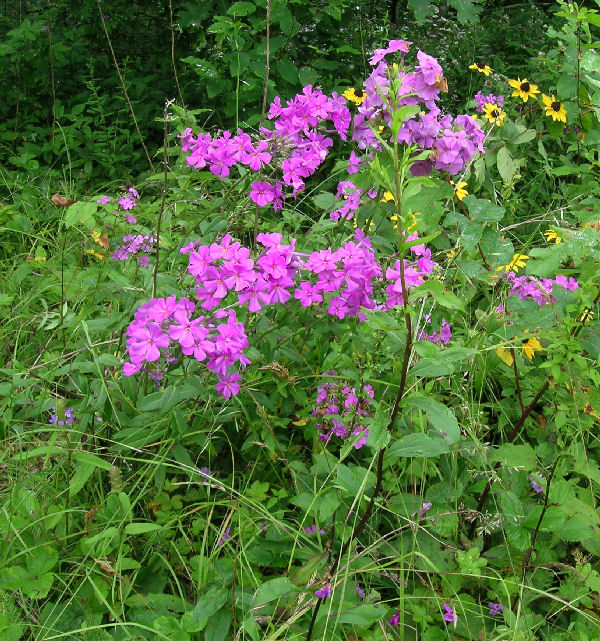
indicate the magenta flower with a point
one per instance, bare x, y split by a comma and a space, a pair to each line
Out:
224, 538
449, 614
127, 202
228, 386
146, 343
255, 158
495, 609
103, 200
262, 193
360, 591
307, 294
394, 620
324, 592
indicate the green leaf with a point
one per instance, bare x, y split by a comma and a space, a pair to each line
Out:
525, 136
417, 445
467, 11
566, 87
287, 70
92, 459
379, 435
82, 473
483, 210
142, 528
365, 614
505, 164
272, 590
576, 529
82, 213
324, 200
440, 417
213, 600
241, 9
516, 456
441, 296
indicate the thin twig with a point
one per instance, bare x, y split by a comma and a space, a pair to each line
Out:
267, 63
164, 194
73, 353
123, 87
173, 55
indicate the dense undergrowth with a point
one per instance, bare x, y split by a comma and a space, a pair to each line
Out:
323, 366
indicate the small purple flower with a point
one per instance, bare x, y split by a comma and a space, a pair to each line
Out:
324, 592
312, 529
103, 200
535, 486
449, 614
495, 608
360, 591
423, 509
394, 619
224, 538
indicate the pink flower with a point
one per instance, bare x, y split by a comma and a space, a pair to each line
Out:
103, 200
228, 386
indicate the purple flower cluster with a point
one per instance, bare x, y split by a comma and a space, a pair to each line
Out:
163, 322
324, 592
67, 419
535, 486
539, 289
452, 141
296, 146
495, 608
344, 280
134, 245
312, 529
443, 336
339, 407
300, 139
415, 273
481, 100
394, 620
226, 537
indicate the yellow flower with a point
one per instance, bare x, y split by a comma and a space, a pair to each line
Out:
356, 96
555, 109
505, 355
413, 222
494, 113
587, 315
451, 254
518, 261
524, 89
460, 190
529, 346
481, 67
387, 197
551, 235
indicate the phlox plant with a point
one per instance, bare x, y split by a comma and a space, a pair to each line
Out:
378, 299
344, 383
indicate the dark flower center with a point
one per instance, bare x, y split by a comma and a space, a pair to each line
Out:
481, 65
525, 86
555, 106
495, 113
359, 93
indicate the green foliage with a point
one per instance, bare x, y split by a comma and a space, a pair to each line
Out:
164, 510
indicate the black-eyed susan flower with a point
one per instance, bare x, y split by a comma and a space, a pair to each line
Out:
356, 96
523, 89
481, 67
529, 347
518, 261
494, 113
555, 109
459, 190
551, 235
387, 197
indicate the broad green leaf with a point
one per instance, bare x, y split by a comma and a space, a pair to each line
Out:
92, 459
82, 213
440, 417
212, 601
467, 11
82, 473
517, 456
365, 614
483, 210
324, 200
272, 590
141, 528
441, 296
379, 435
287, 70
417, 445
577, 528
505, 164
